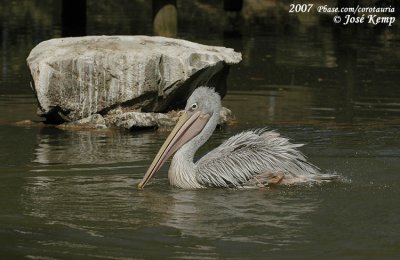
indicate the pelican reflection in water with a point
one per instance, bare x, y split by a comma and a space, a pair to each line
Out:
254, 158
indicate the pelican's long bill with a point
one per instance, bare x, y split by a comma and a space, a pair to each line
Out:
188, 126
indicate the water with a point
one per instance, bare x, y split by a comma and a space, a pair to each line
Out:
71, 194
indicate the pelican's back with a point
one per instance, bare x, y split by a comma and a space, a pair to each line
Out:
256, 157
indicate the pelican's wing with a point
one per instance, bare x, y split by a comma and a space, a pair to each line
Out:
249, 154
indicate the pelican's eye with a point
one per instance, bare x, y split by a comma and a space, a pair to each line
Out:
193, 106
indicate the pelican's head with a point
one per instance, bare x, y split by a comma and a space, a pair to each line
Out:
204, 99
203, 104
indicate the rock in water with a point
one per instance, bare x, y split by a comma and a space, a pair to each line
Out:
74, 78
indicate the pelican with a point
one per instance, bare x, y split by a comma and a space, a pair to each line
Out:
254, 158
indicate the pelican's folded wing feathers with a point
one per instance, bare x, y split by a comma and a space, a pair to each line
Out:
249, 154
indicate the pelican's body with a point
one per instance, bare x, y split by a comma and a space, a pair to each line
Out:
254, 158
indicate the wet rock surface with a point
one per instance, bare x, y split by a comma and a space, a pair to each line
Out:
88, 78
135, 120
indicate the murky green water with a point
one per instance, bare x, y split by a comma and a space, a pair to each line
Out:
71, 194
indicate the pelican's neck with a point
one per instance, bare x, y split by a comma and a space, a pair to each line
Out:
182, 172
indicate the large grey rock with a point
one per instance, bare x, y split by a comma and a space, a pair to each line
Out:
74, 78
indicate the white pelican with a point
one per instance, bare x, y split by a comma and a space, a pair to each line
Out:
254, 158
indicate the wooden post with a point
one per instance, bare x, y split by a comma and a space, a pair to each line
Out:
73, 18
165, 18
